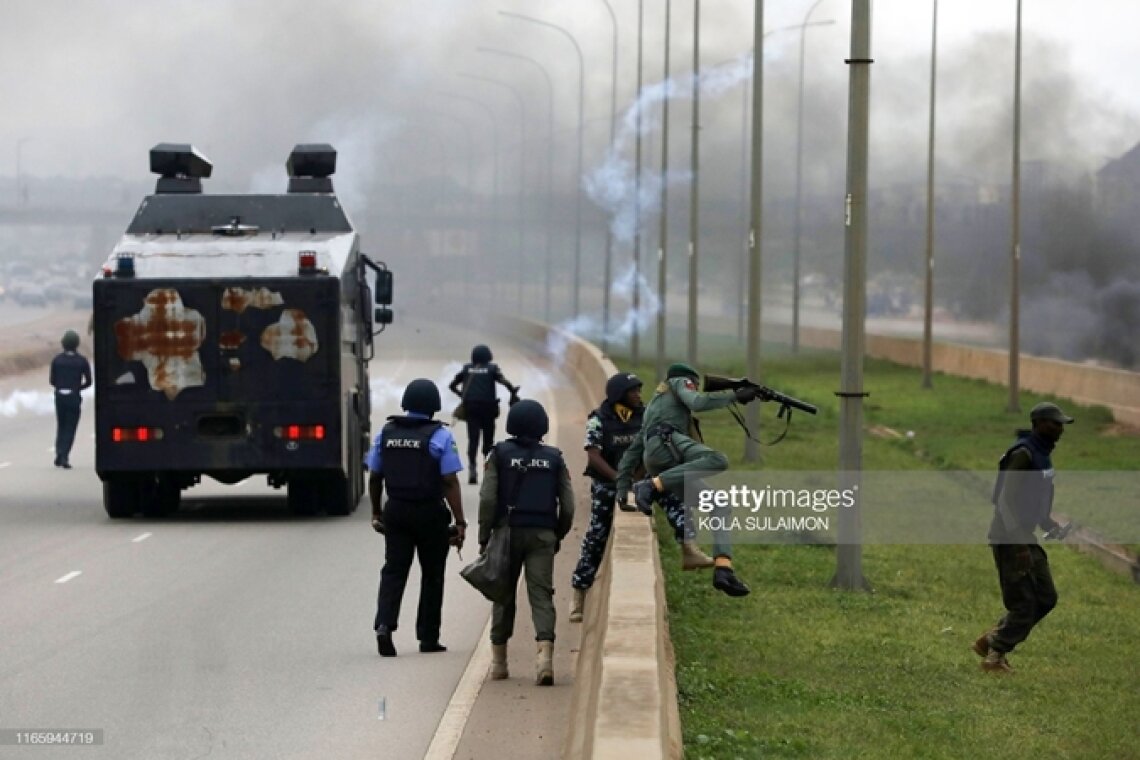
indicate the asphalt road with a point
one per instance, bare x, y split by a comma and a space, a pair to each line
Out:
231, 629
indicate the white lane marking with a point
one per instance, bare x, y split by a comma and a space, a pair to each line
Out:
5, 464
69, 576
141, 538
451, 726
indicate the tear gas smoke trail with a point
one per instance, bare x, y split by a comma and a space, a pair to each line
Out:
612, 184
590, 327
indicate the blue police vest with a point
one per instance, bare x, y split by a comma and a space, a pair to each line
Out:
532, 472
411, 473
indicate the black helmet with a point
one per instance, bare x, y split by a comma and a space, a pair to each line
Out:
421, 396
70, 340
527, 419
621, 384
480, 354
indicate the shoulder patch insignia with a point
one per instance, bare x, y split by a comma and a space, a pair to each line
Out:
690, 384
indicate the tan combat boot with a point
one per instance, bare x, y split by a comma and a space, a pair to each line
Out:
995, 662
693, 558
544, 664
499, 662
577, 602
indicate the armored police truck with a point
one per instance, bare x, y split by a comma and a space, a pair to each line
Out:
232, 335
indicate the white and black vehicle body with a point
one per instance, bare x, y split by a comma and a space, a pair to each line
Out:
232, 335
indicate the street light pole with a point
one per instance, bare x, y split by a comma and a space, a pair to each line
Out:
522, 174
756, 208
694, 195
549, 165
635, 337
607, 273
494, 160
1015, 231
928, 299
578, 163
20, 196
799, 185
662, 252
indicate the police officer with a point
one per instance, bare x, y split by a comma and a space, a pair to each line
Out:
416, 458
610, 430
475, 384
526, 486
70, 375
1023, 501
671, 448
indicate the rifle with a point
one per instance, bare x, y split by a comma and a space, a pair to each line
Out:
763, 393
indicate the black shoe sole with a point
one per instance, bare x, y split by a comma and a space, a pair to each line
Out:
430, 648
384, 645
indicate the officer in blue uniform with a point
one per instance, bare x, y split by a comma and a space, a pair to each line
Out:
526, 486
70, 375
416, 458
475, 384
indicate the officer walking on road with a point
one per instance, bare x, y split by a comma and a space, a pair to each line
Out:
610, 430
475, 385
1023, 501
526, 486
70, 375
671, 448
416, 458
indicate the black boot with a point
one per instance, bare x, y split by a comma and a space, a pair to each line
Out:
724, 579
384, 642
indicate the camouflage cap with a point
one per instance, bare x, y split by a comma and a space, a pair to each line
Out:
1047, 410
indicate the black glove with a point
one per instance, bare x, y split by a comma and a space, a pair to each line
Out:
746, 394
378, 524
514, 395
456, 535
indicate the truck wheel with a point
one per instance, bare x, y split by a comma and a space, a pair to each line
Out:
121, 497
303, 494
337, 494
160, 497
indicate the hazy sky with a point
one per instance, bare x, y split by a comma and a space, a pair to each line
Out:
89, 85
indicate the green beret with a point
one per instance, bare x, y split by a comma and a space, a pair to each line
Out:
682, 370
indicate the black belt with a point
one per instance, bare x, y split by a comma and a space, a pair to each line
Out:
664, 430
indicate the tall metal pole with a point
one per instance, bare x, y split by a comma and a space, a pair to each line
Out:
1015, 232
663, 234
849, 552
694, 195
607, 273
20, 197
928, 311
635, 338
799, 185
521, 262
752, 411
578, 162
494, 160
549, 166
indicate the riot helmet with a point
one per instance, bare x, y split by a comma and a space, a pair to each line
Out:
70, 340
621, 384
481, 355
527, 419
421, 396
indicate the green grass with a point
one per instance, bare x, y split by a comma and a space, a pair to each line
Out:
799, 670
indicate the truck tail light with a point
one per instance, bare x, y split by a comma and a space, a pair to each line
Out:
307, 262
139, 434
300, 432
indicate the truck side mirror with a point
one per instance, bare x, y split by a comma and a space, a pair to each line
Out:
383, 315
383, 291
